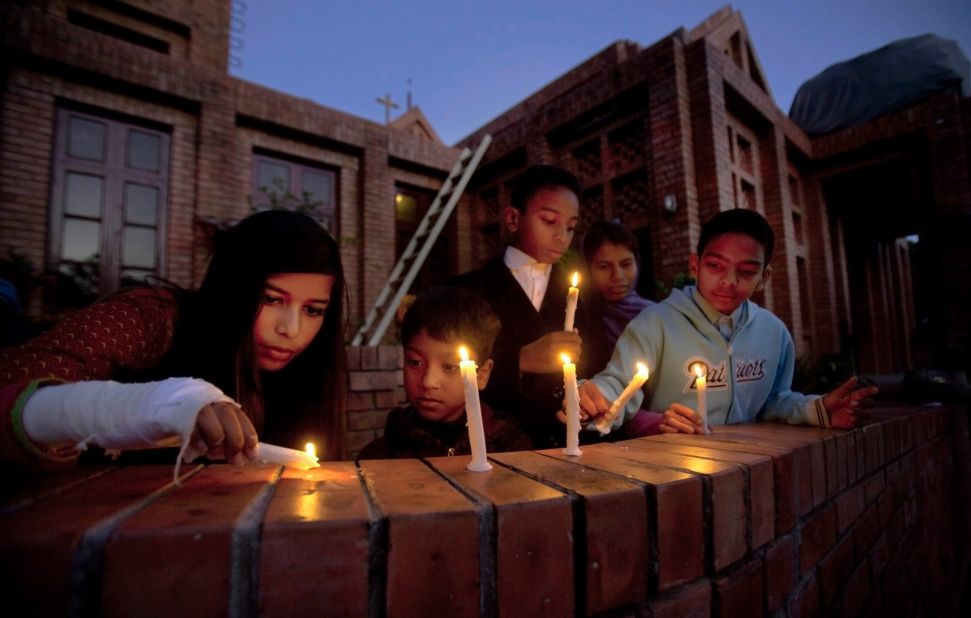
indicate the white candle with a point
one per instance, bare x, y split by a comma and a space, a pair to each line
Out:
701, 386
572, 407
473, 413
640, 377
292, 458
571, 303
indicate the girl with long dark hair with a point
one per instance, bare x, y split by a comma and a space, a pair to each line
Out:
258, 349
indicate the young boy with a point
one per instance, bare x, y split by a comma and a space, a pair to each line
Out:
745, 351
528, 291
434, 423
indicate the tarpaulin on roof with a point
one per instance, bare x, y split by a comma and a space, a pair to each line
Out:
887, 79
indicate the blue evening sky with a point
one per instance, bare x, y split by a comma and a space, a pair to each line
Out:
470, 60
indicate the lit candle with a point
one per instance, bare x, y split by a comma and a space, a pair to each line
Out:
640, 377
292, 458
701, 386
473, 413
572, 407
571, 302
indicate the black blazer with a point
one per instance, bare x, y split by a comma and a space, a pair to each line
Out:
534, 398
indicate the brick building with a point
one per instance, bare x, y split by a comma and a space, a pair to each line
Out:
665, 136
124, 142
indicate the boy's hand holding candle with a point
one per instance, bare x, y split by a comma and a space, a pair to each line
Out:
679, 418
543, 355
604, 423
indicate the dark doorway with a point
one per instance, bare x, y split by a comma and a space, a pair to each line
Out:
411, 204
645, 279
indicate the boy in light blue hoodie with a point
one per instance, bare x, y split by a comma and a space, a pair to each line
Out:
745, 351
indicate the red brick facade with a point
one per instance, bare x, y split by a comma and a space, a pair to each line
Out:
753, 520
164, 64
687, 122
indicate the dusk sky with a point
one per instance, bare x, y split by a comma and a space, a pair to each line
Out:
469, 61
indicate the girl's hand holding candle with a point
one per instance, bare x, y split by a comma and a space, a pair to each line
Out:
291, 458
571, 302
473, 413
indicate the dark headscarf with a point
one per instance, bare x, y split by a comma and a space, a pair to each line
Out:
618, 315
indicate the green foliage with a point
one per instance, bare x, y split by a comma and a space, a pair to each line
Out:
349, 241
74, 285
570, 261
281, 198
681, 279
830, 371
19, 271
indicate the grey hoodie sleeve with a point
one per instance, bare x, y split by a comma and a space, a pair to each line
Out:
641, 341
788, 405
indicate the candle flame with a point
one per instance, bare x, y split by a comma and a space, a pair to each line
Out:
699, 370
463, 352
575, 280
642, 370
311, 449
566, 358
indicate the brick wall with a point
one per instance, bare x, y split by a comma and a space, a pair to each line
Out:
655, 117
374, 386
681, 95
689, 92
752, 520
214, 122
31, 100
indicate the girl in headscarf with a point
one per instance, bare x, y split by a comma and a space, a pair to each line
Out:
612, 257
257, 350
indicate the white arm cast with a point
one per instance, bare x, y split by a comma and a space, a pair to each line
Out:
118, 416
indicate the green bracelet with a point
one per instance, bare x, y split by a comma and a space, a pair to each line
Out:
17, 416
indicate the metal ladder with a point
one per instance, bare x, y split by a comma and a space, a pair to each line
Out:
413, 257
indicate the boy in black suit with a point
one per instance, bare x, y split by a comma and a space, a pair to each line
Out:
527, 290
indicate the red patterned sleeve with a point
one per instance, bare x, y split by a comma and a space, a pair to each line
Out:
130, 330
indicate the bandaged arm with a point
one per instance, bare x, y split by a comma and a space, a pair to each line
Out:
119, 416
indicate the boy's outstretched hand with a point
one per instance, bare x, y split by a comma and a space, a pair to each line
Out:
593, 404
680, 419
843, 402
543, 355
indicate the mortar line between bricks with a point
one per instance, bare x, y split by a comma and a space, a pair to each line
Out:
244, 551
747, 499
6, 510
580, 556
88, 559
377, 551
488, 544
707, 509
653, 570
708, 521
779, 496
579, 527
653, 539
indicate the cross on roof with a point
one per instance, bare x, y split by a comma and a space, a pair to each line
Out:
388, 106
